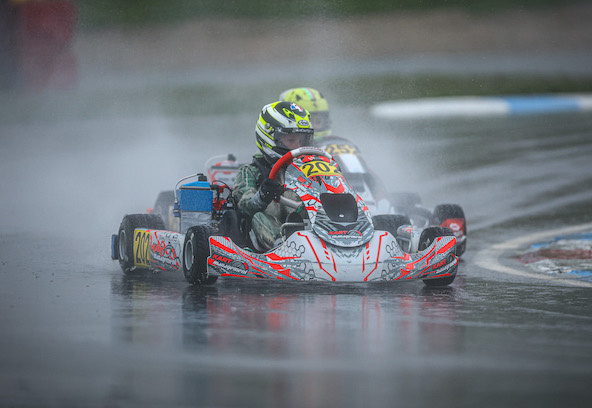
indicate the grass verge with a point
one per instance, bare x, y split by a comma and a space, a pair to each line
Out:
108, 13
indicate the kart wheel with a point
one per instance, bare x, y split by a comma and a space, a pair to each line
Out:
126, 237
429, 234
451, 216
196, 250
439, 281
389, 222
426, 239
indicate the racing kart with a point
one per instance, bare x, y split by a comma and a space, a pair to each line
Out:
407, 205
329, 236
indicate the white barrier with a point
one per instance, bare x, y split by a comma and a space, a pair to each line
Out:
482, 106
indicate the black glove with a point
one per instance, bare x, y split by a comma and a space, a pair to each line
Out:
270, 190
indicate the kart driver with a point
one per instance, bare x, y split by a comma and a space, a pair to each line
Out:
282, 126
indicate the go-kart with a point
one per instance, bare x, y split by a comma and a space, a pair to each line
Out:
329, 236
411, 215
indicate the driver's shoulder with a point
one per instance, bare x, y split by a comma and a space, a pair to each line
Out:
248, 171
251, 173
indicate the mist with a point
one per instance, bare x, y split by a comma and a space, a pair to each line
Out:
115, 101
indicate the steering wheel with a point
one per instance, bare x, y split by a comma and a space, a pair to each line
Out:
289, 158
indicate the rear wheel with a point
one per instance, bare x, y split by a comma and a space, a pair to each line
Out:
126, 237
196, 250
427, 238
390, 222
452, 216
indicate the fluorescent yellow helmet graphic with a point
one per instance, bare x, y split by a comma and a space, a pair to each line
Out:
282, 126
314, 102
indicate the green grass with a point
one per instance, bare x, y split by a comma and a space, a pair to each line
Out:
369, 90
102, 13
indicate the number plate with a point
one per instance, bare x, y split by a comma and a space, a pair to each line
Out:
142, 245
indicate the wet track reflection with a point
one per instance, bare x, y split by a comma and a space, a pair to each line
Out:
306, 322
280, 339
339, 345
299, 320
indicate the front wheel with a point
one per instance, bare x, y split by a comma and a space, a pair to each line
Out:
427, 238
196, 250
438, 282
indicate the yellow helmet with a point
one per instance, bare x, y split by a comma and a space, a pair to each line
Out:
314, 102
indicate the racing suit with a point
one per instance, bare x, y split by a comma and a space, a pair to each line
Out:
266, 220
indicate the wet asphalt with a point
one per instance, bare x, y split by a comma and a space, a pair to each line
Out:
77, 332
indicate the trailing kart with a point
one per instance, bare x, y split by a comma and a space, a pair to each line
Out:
330, 235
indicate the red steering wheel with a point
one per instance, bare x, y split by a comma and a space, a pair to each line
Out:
289, 158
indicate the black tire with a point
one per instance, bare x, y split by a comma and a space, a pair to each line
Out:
164, 202
126, 237
438, 282
429, 234
196, 250
426, 239
444, 212
390, 222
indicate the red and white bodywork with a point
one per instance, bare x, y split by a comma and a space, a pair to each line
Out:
303, 256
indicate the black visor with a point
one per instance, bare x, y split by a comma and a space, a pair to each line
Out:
293, 138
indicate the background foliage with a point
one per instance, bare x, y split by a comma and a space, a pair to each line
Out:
101, 13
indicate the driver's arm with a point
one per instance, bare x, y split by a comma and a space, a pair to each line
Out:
252, 198
245, 187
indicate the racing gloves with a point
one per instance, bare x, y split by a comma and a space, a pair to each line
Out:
268, 191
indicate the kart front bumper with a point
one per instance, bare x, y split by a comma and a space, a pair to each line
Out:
303, 257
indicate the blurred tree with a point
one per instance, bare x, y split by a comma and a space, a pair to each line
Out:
102, 13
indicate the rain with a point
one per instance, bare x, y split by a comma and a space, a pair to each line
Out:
105, 104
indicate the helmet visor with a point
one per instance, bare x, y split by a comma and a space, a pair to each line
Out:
290, 138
